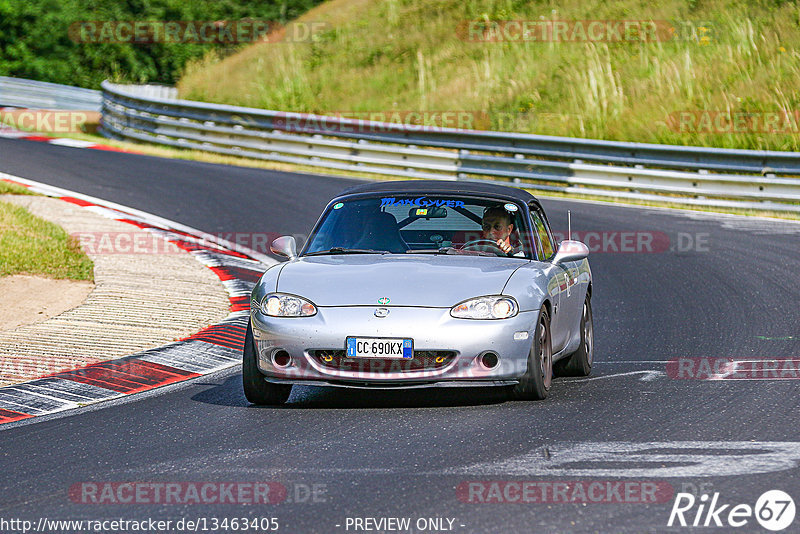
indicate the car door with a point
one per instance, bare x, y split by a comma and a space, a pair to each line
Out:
571, 302
557, 278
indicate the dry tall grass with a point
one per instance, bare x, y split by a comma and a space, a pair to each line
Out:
736, 56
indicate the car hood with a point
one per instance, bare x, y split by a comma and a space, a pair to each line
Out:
406, 280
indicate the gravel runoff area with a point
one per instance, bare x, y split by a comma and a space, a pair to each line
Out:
139, 300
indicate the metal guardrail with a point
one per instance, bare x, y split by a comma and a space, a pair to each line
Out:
21, 93
743, 178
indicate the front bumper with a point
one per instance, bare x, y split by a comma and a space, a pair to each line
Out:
433, 330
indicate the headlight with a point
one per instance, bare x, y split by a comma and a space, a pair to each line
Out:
280, 305
492, 307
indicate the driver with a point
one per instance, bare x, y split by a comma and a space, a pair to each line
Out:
497, 226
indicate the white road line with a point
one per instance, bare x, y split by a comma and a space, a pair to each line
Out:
647, 459
610, 459
648, 376
74, 143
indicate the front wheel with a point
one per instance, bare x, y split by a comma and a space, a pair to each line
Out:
256, 389
580, 362
535, 383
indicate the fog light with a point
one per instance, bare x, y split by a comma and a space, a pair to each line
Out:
281, 358
490, 360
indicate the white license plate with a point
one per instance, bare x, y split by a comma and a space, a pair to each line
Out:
380, 347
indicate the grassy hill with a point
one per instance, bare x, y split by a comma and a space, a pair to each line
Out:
733, 57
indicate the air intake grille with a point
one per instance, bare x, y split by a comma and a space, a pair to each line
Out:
422, 360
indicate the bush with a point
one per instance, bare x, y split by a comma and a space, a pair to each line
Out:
35, 41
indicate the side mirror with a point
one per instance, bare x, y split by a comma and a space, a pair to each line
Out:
570, 251
284, 246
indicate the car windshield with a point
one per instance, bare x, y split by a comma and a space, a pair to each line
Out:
414, 224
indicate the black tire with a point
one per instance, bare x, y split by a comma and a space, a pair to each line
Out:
256, 389
535, 383
579, 363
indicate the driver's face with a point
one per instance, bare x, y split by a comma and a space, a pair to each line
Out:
496, 227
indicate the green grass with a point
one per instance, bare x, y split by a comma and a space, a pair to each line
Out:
31, 245
738, 56
13, 189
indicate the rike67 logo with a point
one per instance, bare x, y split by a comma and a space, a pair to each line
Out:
774, 510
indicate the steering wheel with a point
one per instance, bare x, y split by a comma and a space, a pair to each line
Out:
481, 245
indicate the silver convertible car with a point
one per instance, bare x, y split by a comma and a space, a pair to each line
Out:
412, 284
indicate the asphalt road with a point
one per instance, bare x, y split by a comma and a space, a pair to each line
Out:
721, 287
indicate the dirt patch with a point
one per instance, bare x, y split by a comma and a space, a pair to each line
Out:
32, 299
